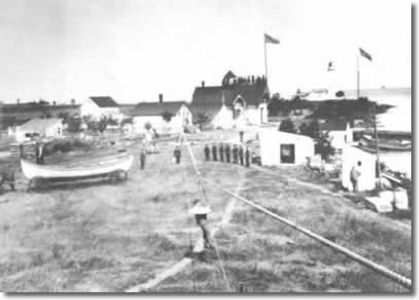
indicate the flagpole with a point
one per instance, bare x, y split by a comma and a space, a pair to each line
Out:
266, 61
358, 77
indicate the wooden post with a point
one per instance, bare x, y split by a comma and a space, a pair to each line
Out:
266, 61
358, 77
377, 148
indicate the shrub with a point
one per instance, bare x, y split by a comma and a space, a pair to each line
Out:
167, 116
287, 126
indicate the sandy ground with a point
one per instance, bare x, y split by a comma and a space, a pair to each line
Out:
108, 238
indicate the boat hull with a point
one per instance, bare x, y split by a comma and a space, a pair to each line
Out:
387, 145
32, 171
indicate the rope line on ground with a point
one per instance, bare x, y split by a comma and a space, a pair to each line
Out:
400, 279
200, 183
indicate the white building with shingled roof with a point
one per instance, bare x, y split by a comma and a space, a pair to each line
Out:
99, 107
236, 101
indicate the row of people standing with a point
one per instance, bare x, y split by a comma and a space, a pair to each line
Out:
224, 152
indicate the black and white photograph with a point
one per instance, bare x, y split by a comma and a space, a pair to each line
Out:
206, 147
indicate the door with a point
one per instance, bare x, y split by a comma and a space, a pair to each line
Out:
287, 153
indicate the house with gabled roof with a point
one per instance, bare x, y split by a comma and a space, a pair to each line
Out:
237, 100
37, 128
99, 107
162, 116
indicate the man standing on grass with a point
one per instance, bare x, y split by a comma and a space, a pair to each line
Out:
177, 154
39, 152
247, 156
355, 174
241, 155
214, 152
142, 159
227, 151
235, 154
207, 152
221, 151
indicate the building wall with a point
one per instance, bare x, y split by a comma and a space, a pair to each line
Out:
185, 115
89, 108
19, 133
224, 118
176, 124
158, 123
25, 113
257, 115
350, 157
251, 115
270, 146
338, 138
55, 130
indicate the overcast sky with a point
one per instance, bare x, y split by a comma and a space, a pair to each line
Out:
135, 49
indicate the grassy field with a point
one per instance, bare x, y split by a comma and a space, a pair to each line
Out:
107, 238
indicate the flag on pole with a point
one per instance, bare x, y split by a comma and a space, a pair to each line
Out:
365, 54
330, 66
270, 40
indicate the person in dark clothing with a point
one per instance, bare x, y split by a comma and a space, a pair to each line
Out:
22, 154
235, 154
241, 134
201, 211
39, 152
241, 155
207, 153
142, 159
177, 154
214, 152
247, 156
221, 151
227, 152
7, 177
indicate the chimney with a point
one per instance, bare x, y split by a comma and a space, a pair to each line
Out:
17, 101
160, 98
73, 101
202, 83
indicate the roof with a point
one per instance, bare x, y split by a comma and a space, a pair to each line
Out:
226, 79
210, 109
126, 109
34, 106
37, 125
156, 108
104, 101
211, 98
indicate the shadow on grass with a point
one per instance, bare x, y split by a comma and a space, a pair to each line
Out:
46, 186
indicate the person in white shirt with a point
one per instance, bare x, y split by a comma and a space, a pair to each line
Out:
355, 174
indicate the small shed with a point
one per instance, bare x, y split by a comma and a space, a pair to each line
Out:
351, 155
38, 128
279, 148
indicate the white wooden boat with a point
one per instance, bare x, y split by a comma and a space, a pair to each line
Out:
105, 167
387, 144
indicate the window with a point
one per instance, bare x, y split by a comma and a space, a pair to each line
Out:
287, 153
